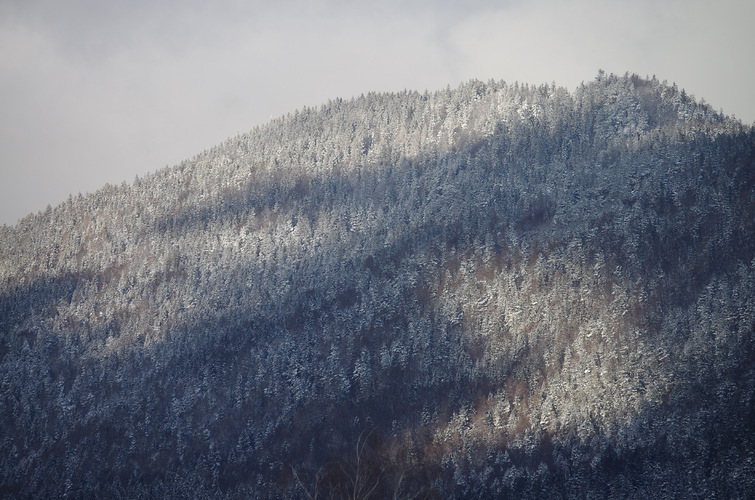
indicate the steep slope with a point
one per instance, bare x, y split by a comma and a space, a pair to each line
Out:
493, 290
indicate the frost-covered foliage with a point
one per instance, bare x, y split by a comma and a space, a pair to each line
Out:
488, 291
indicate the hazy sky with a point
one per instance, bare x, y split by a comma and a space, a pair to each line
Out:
95, 92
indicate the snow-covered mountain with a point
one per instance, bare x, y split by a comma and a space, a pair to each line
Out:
498, 290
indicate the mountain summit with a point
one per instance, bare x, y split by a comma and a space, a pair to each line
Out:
500, 290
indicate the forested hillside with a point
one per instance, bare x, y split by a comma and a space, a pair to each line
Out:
497, 290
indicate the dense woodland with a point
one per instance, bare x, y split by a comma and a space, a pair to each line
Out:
498, 290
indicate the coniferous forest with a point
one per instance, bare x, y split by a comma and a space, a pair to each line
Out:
494, 291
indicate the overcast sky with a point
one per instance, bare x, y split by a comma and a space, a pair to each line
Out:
95, 92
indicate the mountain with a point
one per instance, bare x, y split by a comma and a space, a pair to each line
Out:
500, 290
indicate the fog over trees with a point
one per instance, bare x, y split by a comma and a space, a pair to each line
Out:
498, 290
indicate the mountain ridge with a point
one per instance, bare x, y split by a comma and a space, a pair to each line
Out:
493, 290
